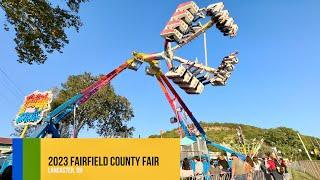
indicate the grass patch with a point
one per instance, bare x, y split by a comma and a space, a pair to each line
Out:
297, 175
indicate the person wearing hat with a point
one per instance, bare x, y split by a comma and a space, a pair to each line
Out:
238, 171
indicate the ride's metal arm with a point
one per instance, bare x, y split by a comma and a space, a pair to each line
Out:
162, 78
103, 81
195, 64
176, 95
218, 146
173, 107
63, 107
185, 128
55, 116
195, 35
40, 131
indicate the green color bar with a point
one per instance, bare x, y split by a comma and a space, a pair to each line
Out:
31, 159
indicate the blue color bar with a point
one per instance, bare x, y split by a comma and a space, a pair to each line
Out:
17, 172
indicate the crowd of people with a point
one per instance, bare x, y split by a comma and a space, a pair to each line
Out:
269, 167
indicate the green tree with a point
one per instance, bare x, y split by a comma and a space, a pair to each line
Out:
40, 26
106, 112
284, 139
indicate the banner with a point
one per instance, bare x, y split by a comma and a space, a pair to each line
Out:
77, 159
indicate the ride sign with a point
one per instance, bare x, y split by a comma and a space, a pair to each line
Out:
33, 108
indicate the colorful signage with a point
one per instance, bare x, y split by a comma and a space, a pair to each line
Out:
34, 108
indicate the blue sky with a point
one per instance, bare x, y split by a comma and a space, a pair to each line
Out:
275, 84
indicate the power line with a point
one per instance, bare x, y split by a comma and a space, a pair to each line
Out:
5, 99
21, 94
5, 86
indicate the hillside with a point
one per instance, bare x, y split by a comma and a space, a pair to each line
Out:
284, 139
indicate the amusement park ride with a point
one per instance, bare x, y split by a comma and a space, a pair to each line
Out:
187, 23
249, 148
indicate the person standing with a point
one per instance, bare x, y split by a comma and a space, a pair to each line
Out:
186, 171
238, 172
264, 168
271, 165
256, 164
214, 171
284, 170
248, 167
277, 173
198, 168
257, 168
223, 164
283, 165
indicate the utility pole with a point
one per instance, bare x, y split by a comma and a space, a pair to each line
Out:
74, 121
304, 147
314, 168
205, 48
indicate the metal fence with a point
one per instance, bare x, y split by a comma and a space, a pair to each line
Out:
198, 148
310, 167
256, 175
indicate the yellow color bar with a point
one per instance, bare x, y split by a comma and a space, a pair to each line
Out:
77, 159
